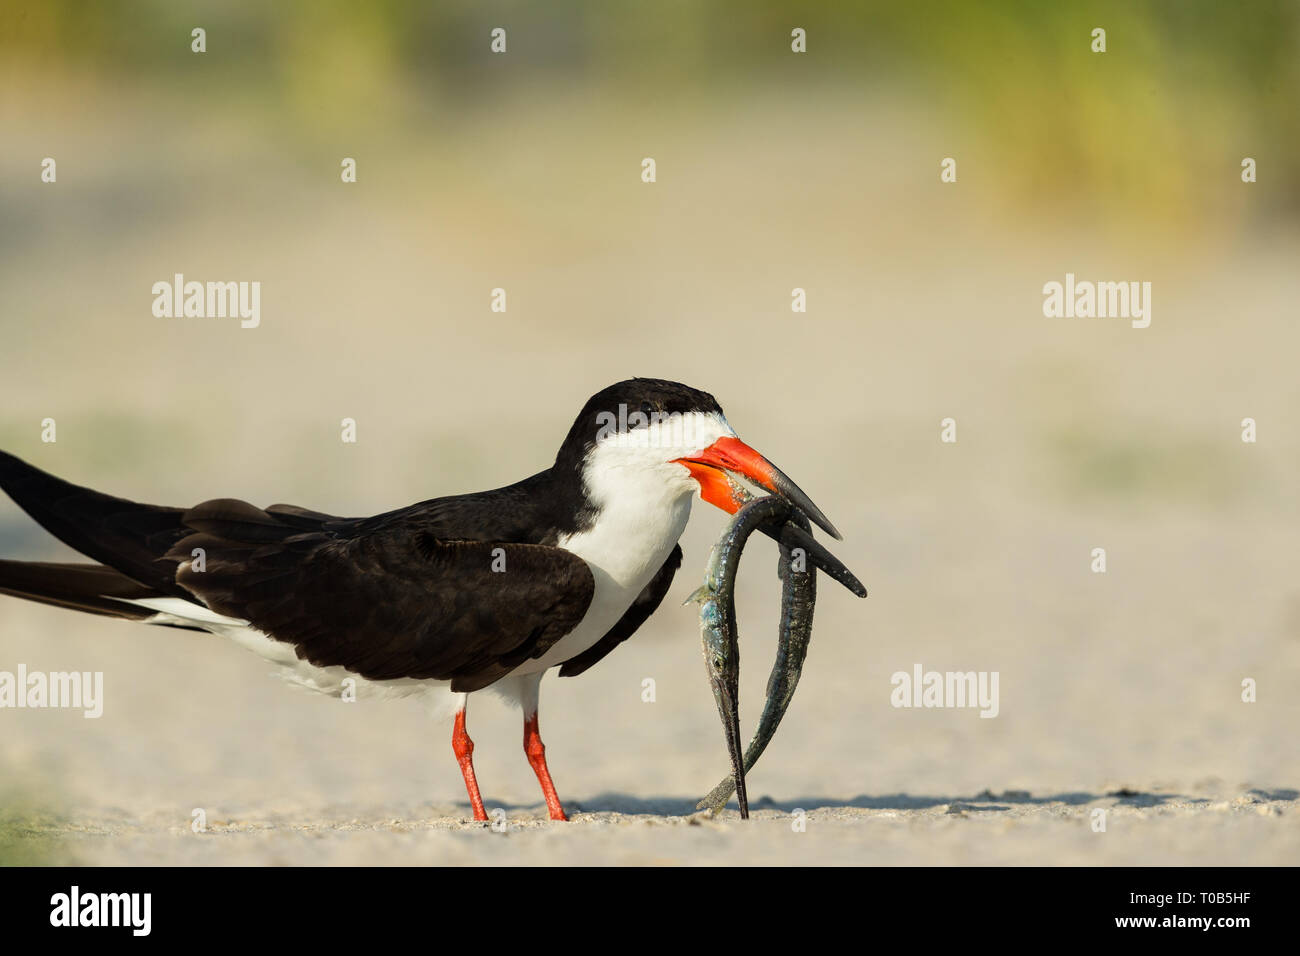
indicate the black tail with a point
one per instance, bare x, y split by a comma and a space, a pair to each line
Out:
136, 544
82, 587
130, 538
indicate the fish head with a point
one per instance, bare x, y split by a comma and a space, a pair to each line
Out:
722, 660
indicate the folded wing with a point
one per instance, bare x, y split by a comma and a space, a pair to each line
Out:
386, 604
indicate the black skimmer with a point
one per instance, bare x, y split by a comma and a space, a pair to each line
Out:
445, 597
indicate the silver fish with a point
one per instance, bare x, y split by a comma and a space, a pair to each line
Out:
718, 632
798, 599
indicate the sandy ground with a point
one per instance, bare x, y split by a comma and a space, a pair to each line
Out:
1072, 435
1017, 829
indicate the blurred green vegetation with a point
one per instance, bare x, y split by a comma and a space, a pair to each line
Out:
1185, 85
28, 832
1161, 464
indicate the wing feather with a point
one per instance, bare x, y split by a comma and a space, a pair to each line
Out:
392, 603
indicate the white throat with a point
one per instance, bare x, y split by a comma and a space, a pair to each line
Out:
642, 495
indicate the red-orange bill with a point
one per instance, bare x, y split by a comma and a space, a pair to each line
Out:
729, 454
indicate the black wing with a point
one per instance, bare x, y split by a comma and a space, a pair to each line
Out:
391, 603
645, 604
400, 595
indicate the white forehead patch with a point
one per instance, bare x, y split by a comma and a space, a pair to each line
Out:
681, 434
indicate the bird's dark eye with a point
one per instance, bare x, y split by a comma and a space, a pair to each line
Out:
719, 663
646, 409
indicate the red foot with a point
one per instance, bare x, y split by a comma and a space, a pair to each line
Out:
536, 752
464, 749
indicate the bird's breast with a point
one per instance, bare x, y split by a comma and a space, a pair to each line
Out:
625, 547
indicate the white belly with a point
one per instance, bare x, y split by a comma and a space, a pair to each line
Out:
624, 553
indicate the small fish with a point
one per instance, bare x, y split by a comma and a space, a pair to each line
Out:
718, 632
798, 599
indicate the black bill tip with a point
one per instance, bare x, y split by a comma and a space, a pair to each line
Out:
792, 493
791, 535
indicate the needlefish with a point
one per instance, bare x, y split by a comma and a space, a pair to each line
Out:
800, 555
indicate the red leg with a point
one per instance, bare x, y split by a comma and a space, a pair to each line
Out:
536, 752
464, 748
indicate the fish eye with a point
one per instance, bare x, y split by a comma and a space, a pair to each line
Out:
719, 663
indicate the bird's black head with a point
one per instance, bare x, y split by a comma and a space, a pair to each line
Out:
630, 404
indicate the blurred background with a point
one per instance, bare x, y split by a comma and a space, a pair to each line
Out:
775, 170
